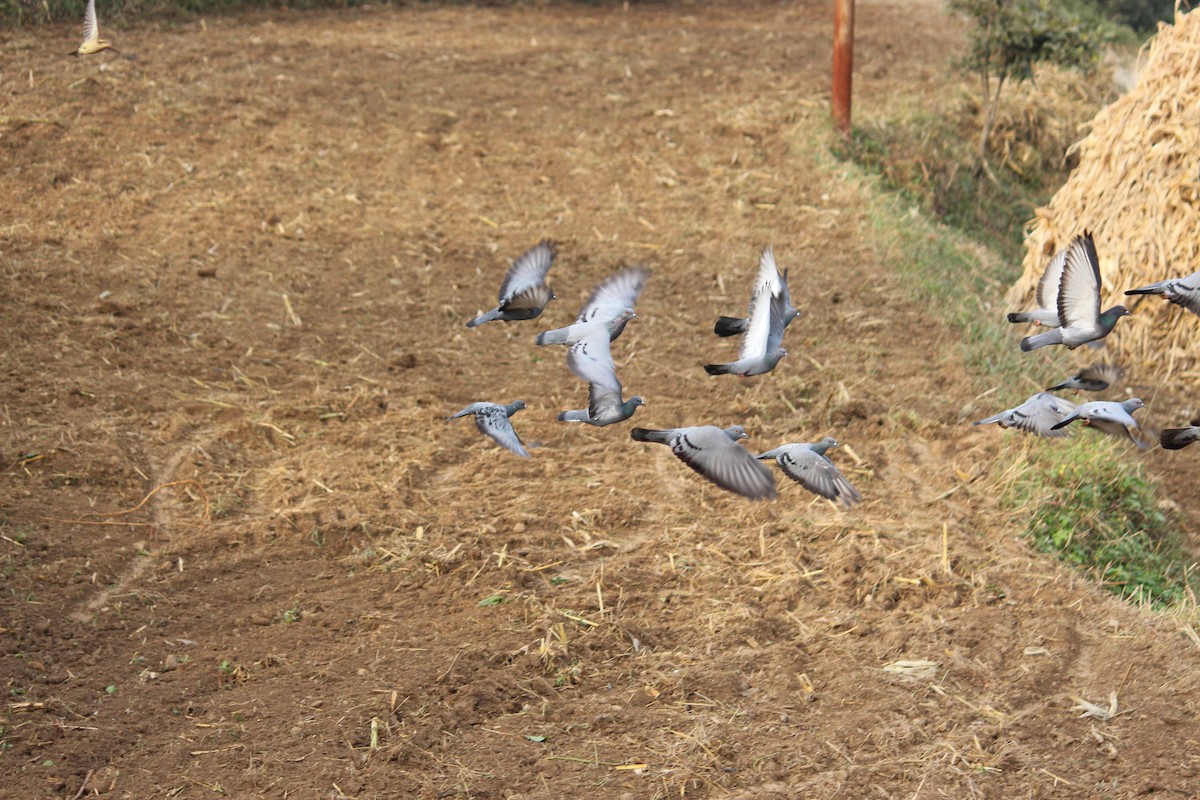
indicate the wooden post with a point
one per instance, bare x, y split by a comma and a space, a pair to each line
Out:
843, 62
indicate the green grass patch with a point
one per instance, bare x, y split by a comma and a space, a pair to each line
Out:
1096, 509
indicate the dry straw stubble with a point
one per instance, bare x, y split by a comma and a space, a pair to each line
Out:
1137, 188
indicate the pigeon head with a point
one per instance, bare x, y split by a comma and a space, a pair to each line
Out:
625, 315
1133, 403
515, 406
635, 401
825, 444
1116, 312
791, 314
736, 432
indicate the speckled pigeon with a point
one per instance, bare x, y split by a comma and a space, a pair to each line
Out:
716, 455
731, 326
1079, 317
1039, 415
524, 292
1180, 291
808, 465
608, 303
1106, 416
492, 419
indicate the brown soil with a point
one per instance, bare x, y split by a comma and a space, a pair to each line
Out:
240, 264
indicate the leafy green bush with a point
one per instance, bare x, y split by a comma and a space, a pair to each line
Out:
1042, 51
1010, 36
1142, 16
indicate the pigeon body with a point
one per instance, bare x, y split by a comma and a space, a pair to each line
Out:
576, 332
1039, 415
591, 359
611, 302
92, 43
808, 465
1095, 378
492, 419
1046, 312
601, 414
1183, 292
716, 455
762, 342
1079, 318
732, 326
600, 322
1179, 438
524, 293
1115, 419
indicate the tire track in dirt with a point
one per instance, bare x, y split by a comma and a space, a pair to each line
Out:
166, 523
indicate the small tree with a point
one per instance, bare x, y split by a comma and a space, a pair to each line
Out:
1011, 36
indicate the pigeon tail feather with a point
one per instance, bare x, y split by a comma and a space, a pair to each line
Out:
648, 435
1042, 340
482, 318
729, 326
556, 336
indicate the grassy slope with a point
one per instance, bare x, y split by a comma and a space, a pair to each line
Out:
1083, 498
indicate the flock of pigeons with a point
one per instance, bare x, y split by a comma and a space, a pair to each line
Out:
1068, 303
1068, 306
709, 450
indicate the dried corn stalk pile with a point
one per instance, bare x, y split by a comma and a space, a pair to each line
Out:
1137, 188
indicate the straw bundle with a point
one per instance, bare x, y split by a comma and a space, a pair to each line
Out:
1137, 188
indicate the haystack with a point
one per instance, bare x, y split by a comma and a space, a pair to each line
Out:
1137, 188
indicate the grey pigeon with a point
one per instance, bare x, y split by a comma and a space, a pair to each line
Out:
1115, 419
761, 343
611, 327
607, 303
492, 420
591, 359
1039, 415
808, 465
1096, 378
731, 326
1046, 312
1180, 291
1179, 438
524, 292
1079, 317
715, 454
